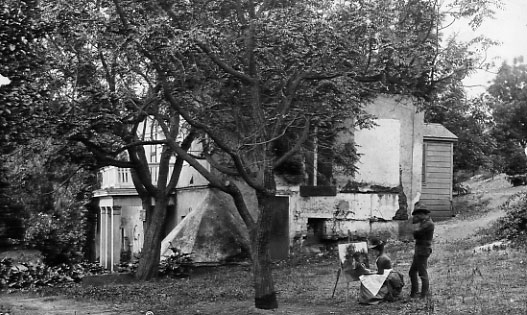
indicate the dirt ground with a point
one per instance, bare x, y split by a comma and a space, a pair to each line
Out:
494, 192
21, 304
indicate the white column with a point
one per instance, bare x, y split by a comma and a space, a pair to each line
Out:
111, 239
115, 243
101, 235
104, 236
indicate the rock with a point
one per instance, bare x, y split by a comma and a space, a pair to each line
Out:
498, 245
19, 268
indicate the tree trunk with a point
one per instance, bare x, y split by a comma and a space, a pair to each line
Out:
150, 254
91, 224
265, 295
264, 292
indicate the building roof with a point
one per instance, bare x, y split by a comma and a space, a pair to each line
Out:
438, 132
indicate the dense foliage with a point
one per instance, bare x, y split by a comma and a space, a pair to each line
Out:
21, 96
21, 59
32, 275
54, 193
491, 128
509, 106
513, 226
470, 121
12, 214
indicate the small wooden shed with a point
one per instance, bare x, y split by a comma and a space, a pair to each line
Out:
437, 175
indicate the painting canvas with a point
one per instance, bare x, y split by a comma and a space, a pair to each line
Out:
354, 260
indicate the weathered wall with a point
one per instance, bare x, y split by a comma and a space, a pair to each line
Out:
352, 206
342, 212
391, 156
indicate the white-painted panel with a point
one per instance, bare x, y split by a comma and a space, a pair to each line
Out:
379, 148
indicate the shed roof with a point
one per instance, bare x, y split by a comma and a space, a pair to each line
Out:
438, 132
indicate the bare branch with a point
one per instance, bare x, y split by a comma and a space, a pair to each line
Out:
199, 125
296, 147
102, 155
121, 14
139, 143
224, 66
219, 167
185, 145
138, 158
187, 157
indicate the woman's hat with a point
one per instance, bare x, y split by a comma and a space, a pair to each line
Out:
376, 243
420, 208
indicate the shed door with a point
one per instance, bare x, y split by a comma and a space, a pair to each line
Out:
279, 238
437, 178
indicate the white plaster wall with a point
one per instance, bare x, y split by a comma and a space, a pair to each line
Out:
379, 150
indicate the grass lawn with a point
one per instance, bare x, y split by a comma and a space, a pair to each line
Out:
462, 282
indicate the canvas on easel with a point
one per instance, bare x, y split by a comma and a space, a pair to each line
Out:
353, 260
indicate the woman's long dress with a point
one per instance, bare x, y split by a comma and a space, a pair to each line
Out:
384, 286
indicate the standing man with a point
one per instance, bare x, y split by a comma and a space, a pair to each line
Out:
423, 236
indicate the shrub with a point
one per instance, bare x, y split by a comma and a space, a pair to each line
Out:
518, 179
59, 237
513, 226
33, 275
459, 189
177, 265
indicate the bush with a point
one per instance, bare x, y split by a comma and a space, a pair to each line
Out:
33, 275
460, 189
59, 237
513, 226
177, 265
518, 179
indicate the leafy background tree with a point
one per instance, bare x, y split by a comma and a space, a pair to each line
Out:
470, 121
510, 121
21, 58
55, 193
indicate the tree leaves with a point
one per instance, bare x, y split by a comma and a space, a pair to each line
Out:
20, 59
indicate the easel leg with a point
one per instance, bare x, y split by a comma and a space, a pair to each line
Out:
336, 282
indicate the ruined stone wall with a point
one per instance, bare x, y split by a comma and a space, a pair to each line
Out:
388, 180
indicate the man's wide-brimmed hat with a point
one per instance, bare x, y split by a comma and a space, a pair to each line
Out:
420, 208
376, 243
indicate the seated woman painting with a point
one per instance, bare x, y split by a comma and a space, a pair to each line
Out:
385, 284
